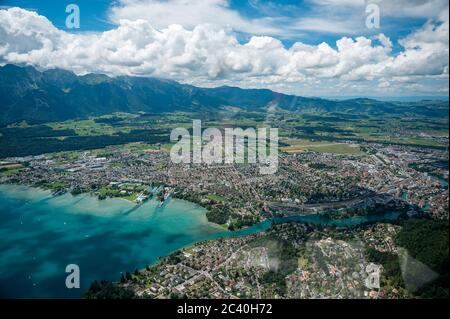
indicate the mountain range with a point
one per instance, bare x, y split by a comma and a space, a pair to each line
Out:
55, 95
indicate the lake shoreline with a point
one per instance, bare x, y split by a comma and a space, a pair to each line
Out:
109, 228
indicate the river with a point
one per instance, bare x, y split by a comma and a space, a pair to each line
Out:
41, 234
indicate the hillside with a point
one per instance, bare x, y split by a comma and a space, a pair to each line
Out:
54, 95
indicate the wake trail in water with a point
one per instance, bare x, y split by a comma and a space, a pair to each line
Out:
136, 207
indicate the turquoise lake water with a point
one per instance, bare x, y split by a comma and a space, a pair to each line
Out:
41, 234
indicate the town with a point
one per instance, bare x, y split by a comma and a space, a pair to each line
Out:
236, 194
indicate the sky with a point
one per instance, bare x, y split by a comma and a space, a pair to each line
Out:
309, 48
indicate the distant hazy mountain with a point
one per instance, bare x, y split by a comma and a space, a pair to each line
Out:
54, 95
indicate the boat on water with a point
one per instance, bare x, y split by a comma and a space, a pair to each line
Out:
59, 192
165, 197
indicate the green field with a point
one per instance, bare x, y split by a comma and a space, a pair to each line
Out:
315, 132
343, 149
299, 146
10, 172
216, 198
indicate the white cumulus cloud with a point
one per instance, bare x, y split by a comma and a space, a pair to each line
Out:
211, 55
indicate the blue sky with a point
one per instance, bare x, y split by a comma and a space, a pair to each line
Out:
94, 14
325, 46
